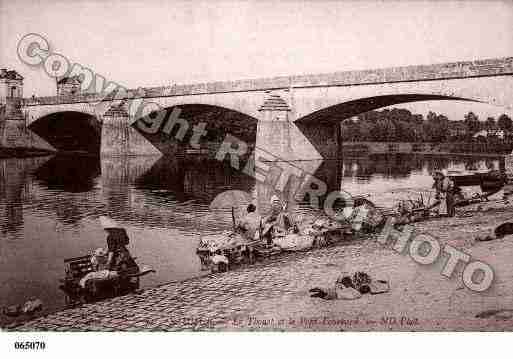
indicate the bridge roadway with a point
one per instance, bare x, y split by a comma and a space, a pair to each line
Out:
445, 71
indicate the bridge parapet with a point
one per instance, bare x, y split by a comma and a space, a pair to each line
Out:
455, 70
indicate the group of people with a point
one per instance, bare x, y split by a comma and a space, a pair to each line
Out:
278, 222
252, 226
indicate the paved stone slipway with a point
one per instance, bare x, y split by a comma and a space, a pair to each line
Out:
274, 295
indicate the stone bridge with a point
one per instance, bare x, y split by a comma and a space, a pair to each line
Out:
292, 117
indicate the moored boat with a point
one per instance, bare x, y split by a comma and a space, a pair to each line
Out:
490, 182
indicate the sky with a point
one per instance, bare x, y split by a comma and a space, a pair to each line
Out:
157, 43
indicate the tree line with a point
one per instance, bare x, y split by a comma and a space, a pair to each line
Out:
400, 125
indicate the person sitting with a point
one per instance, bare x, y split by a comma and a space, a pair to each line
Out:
278, 222
119, 258
249, 225
100, 274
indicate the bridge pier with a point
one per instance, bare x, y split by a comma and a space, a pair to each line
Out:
119, 138
278, 135
14, 133
297, 152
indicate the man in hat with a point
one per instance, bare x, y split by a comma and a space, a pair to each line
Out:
444, 187
278, 221
119, 258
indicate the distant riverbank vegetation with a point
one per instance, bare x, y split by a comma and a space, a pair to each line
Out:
400, 125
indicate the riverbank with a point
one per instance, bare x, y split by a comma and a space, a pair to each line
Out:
274, 295
428, 148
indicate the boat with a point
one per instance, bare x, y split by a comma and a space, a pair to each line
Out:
490, 182
125, 279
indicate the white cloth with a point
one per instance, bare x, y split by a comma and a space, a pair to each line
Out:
99, 259
250, 224
100, 275
274, 199
216, 259
442, 207
294, 242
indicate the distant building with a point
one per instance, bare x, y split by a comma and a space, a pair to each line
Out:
69, 86
11, 93
457, 129
490, 133
11, 84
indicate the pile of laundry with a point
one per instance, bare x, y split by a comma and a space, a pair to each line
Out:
349, 286
502, 230
408, 211
365, 216
99, 260
224, 240
30, 307
293, 242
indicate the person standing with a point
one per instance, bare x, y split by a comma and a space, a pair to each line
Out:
444, 187
506, 169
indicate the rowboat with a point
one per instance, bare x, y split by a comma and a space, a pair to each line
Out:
490, 182
476, 178
86, 281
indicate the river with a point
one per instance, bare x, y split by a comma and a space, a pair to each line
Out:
49, 209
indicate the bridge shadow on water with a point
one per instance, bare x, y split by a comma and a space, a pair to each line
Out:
194, 177
69, 173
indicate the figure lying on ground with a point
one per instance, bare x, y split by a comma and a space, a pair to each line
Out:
351, 287
500, 231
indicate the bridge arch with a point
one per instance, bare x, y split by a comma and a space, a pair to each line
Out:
246, 103
344, 110
219, 121
321, 127
495, 91
34, 113
69, 131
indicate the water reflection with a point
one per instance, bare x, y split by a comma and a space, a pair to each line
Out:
69, 173
15, 191
197, 178
397, 166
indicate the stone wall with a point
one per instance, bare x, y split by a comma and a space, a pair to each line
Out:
15, 134
118, 138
